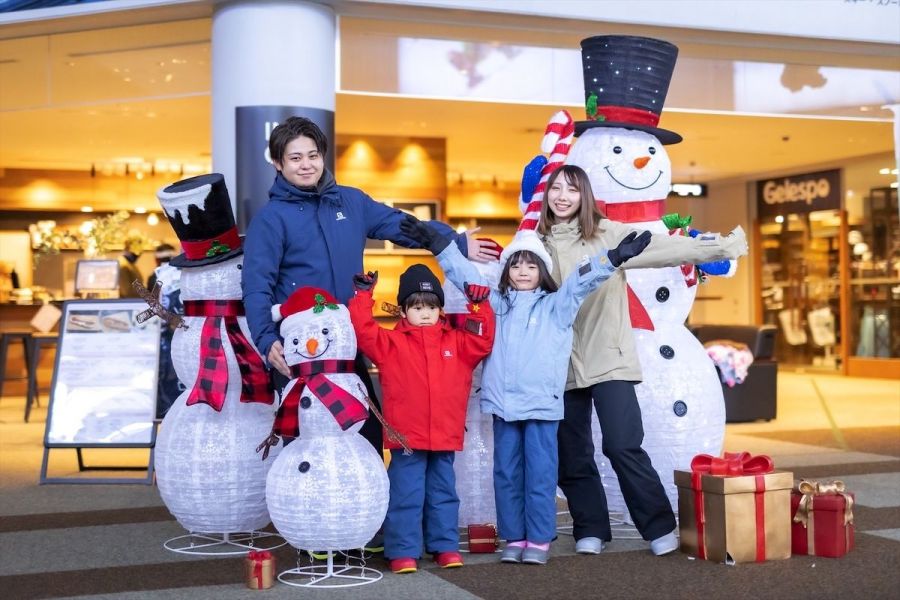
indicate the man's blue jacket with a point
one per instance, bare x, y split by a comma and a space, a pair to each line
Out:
313, 238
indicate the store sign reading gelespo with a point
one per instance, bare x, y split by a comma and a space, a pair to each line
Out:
799, 193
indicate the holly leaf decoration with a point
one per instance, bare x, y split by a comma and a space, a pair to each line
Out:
591, 108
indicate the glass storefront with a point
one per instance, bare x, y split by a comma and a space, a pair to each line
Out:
874, 249
801, 286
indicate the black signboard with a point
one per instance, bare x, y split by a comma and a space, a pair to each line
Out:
254, 170
799, 194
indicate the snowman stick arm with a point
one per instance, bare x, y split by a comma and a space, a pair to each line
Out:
393, 434
673, 250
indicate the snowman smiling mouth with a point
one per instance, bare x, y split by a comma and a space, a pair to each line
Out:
613, 177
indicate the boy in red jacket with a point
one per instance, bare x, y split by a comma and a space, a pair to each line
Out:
426, 368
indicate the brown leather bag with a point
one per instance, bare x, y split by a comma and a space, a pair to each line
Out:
483, 538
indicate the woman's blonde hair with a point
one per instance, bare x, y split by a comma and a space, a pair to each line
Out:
588, 215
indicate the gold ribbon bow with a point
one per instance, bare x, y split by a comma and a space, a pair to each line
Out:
810, 489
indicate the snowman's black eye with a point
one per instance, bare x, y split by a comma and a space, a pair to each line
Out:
652, 150
296, 341
240, 267
618, 149
325, 331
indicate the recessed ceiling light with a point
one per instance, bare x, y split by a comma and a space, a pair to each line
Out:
140, 210
87, 209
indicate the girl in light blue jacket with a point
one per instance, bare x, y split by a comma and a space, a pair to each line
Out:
525, 375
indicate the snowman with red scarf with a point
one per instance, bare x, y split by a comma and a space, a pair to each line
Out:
328, 488
623, 152
208, 473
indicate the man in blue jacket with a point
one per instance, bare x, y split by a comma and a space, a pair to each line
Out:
313, 233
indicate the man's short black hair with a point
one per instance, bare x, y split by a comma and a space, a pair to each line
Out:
290, 130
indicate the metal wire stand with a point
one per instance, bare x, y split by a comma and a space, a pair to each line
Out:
330, 576
223, 544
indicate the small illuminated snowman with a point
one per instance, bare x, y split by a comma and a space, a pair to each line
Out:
328, 488
208, 472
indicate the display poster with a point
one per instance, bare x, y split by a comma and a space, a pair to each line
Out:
96, 275
105, 377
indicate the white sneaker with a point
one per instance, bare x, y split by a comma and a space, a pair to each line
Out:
589, 545
665, 544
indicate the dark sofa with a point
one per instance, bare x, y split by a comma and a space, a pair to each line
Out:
757, 397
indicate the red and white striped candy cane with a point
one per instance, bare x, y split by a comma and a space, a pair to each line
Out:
557, 141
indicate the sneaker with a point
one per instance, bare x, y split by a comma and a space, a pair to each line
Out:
376, 544
665, 544
535, 556
512, 554
404, 565
448, 560
589, 545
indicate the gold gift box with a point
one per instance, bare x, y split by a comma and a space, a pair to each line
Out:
267, 574
729, 508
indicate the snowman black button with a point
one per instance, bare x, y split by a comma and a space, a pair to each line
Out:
662, 294
305, 402
666, 352
303, 467
679, 408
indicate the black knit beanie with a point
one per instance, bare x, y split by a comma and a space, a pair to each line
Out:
419, 278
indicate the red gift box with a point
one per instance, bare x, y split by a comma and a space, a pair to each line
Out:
823, 519
483, 538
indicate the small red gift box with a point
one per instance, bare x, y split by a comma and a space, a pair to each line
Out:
483, 538
823, 519
259, 569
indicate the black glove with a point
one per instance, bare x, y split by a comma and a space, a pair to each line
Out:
476, 293
427, 237
365, 281
630, 246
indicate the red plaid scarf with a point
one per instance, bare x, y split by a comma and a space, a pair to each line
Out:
344, 407
212, 381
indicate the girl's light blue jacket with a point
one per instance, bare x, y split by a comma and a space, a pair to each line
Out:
525, 375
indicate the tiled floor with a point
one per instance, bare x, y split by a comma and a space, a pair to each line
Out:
819, 408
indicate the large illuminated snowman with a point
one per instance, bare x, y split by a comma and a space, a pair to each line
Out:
328, 488
623, 152
208, 472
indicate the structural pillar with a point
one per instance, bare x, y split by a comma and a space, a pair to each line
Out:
270, 60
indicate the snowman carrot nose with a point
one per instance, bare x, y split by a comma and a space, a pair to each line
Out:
641, 162
311, 345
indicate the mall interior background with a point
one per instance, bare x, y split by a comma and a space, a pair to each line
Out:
438, 106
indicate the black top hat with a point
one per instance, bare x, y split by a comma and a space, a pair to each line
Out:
199, 210
626, 79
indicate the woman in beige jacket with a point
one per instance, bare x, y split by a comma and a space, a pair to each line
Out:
604, 366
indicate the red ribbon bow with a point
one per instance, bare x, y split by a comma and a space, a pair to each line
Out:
257, 557
733, 464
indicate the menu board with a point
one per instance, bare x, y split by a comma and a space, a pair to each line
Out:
105, 377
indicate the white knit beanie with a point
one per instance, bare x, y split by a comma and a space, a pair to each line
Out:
527, 239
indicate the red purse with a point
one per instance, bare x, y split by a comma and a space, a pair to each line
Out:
483, 538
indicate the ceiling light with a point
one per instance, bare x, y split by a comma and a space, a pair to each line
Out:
779, 219
152, 219
140, 210
884, 171
87, 209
